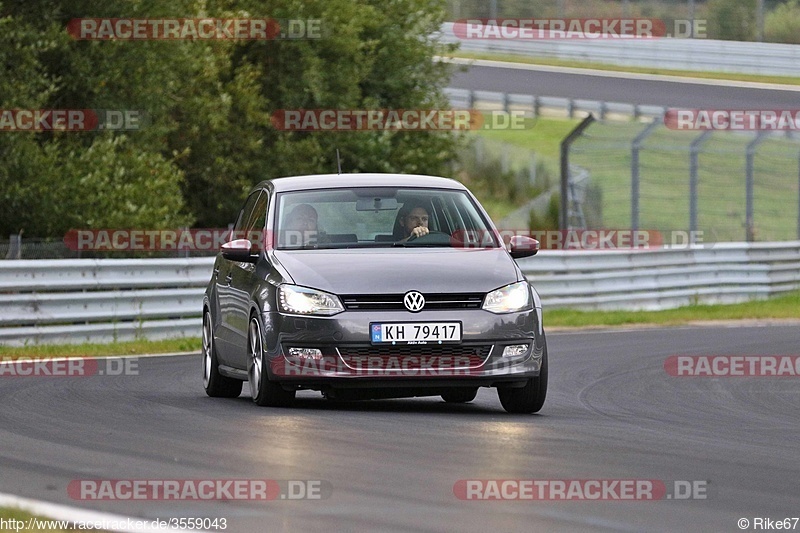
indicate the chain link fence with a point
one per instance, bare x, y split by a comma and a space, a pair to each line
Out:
731, 186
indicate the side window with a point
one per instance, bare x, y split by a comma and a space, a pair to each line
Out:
258, 219
246, 213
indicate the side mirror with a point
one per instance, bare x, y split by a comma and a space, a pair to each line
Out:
521, 246
239, 250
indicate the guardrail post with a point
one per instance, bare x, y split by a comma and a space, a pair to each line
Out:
693, 168
506, 102
563, 216
571, 108
14, 246
750, 159
635, 147
536, 106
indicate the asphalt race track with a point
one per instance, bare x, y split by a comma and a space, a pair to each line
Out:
621, 87
612, 412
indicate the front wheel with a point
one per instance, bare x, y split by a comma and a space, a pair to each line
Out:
216, 384
530, 398
263, 391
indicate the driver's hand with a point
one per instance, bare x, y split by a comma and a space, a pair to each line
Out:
419, 231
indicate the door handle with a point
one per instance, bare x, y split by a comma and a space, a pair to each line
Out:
228, 278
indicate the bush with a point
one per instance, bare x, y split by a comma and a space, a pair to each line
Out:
732, 20
548, 220
782, 25
484, 175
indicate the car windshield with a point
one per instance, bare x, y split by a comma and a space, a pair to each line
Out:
379, 217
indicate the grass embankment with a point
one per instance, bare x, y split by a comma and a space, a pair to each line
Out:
139, 347
778, 308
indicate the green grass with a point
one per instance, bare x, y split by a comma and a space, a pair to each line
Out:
664, 181
140, 347
543, 135
7, 513
781, 307
497, 208
510, 58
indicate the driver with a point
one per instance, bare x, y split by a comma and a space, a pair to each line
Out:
415, 223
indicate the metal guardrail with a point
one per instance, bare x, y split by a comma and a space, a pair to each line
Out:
86, 300
675, 54
101, 300
664, 278
536, 105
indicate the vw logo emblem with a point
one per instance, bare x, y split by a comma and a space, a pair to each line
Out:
414, 301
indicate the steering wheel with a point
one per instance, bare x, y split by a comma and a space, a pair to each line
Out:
432, 235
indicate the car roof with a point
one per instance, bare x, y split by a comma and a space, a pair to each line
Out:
334, 181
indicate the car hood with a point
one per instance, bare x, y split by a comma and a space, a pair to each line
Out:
398, 270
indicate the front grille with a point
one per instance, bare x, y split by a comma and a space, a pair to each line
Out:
436, 355
394, 302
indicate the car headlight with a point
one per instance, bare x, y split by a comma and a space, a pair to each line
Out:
509, 299
304, 301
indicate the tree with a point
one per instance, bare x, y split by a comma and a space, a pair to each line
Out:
53, 181
208, 137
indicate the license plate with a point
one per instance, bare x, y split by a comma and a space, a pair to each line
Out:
415, 332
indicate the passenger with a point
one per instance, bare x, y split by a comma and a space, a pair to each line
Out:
301, 226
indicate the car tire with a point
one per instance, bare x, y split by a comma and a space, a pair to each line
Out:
460, 395
263, 391
216, 385
530, 398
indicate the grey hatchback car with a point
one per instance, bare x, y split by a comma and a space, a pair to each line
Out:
368, 286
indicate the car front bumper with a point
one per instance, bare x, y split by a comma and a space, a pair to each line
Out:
349, 360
